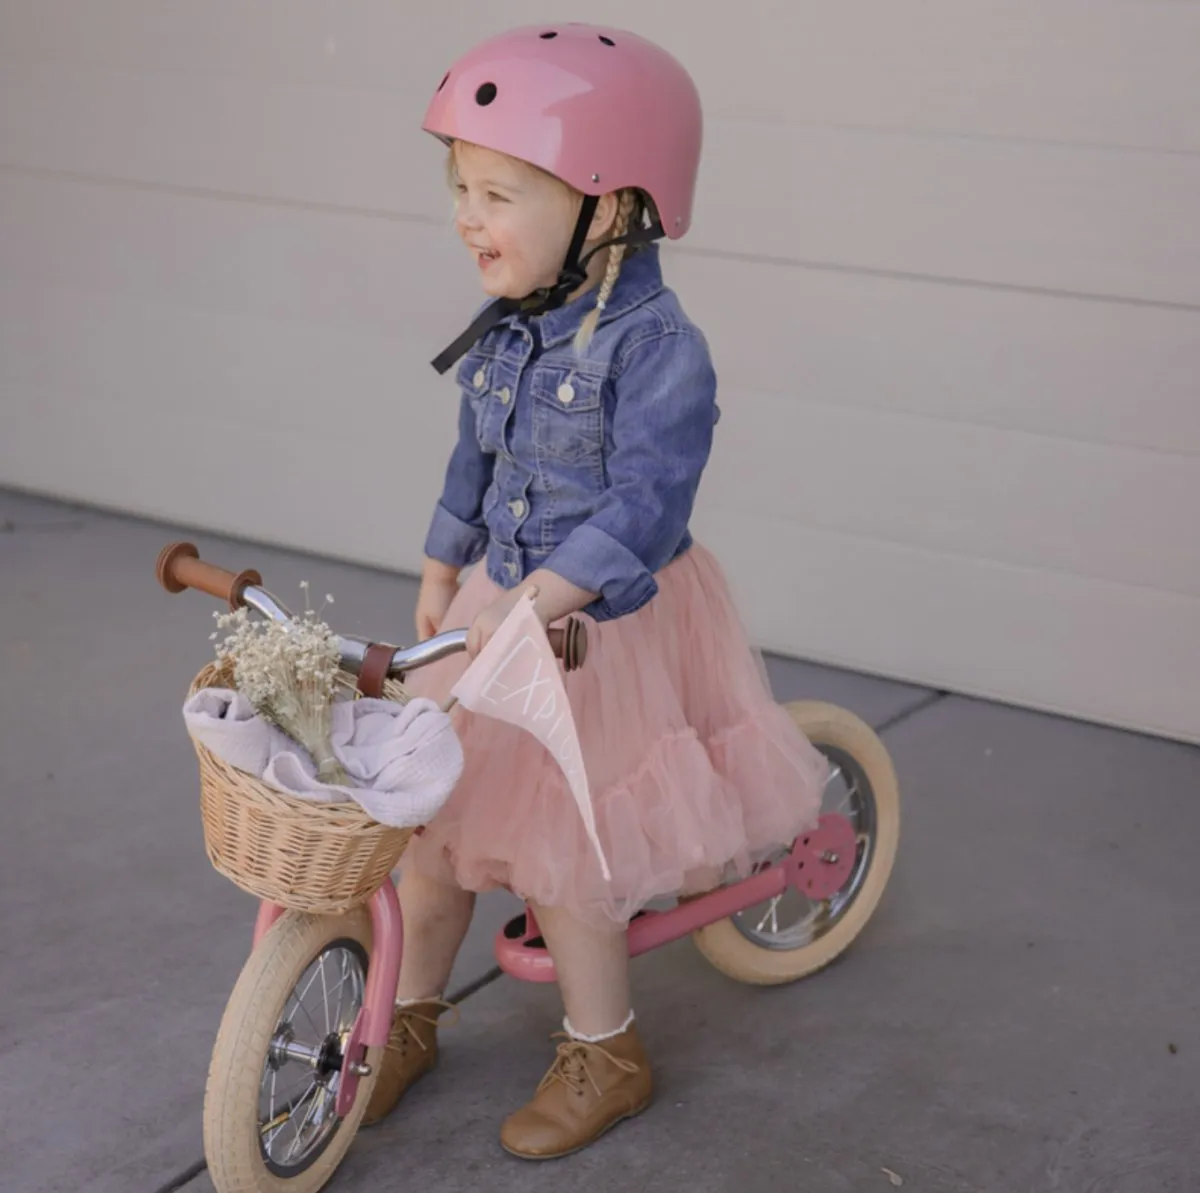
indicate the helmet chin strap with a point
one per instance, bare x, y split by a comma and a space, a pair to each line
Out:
572, 275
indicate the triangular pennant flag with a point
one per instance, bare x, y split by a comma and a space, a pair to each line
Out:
516, 678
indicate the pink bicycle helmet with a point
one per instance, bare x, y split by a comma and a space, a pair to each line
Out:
601, 109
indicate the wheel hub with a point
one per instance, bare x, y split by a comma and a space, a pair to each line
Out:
822, 860
329, 1060
324, 1060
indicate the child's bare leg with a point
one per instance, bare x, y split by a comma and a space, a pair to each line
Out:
436, 918
700, 882
593, 971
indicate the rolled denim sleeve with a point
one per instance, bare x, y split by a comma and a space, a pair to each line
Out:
458, 534
662, 432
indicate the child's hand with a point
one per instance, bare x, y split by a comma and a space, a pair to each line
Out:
439, 584
490, 618
554, 598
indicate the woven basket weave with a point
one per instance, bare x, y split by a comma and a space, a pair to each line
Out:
301, 854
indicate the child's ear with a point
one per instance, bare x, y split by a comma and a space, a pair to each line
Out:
605, 217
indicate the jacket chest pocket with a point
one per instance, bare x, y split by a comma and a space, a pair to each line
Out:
476, 377
568, 415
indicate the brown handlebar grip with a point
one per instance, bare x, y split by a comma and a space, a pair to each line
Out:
570, 644
180, 566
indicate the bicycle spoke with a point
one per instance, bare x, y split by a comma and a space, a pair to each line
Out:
304, 1123
320, 1035
339, 991
851, 793
772, 914
325, 994
341, 987
308, 985
296, 1003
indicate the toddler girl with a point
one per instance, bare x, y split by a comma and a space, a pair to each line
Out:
586, 419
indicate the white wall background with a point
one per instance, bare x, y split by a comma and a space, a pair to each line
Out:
947, 254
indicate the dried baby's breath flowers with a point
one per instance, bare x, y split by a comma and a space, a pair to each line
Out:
288, 672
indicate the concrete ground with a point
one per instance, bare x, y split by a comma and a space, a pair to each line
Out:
1022, 1014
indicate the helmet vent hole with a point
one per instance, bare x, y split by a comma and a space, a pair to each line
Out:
445, 80
608, 41
485, 94
547, 36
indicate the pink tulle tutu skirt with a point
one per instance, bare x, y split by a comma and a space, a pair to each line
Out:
695, 772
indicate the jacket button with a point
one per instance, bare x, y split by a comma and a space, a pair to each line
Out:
566, 393
512, 569
505, 396
518, 508
479, 378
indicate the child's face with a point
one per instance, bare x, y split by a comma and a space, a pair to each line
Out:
516, 221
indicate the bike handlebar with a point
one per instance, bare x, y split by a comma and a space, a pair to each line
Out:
180, 566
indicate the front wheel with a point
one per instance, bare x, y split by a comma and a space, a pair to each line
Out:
270, 1121
792, 936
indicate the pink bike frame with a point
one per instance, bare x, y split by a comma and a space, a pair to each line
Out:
819, 864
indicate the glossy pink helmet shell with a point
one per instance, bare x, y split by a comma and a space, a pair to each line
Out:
600, 108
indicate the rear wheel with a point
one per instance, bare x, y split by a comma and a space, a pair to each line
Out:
791, 935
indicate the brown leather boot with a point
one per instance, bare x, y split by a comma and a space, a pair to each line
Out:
411, 1052
588, 1090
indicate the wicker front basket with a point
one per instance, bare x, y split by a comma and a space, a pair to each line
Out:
308, 856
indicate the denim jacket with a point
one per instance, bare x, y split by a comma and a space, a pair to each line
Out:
584, 464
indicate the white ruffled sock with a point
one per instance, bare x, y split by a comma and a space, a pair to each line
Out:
575, 1035
412, 1002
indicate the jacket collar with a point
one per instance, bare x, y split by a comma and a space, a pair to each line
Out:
639, 281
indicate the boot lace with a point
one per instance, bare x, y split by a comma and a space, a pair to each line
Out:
571, 1065
403, 1029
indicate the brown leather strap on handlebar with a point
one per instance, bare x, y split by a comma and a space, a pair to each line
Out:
374, 671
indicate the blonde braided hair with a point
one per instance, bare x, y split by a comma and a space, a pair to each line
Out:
627, 204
